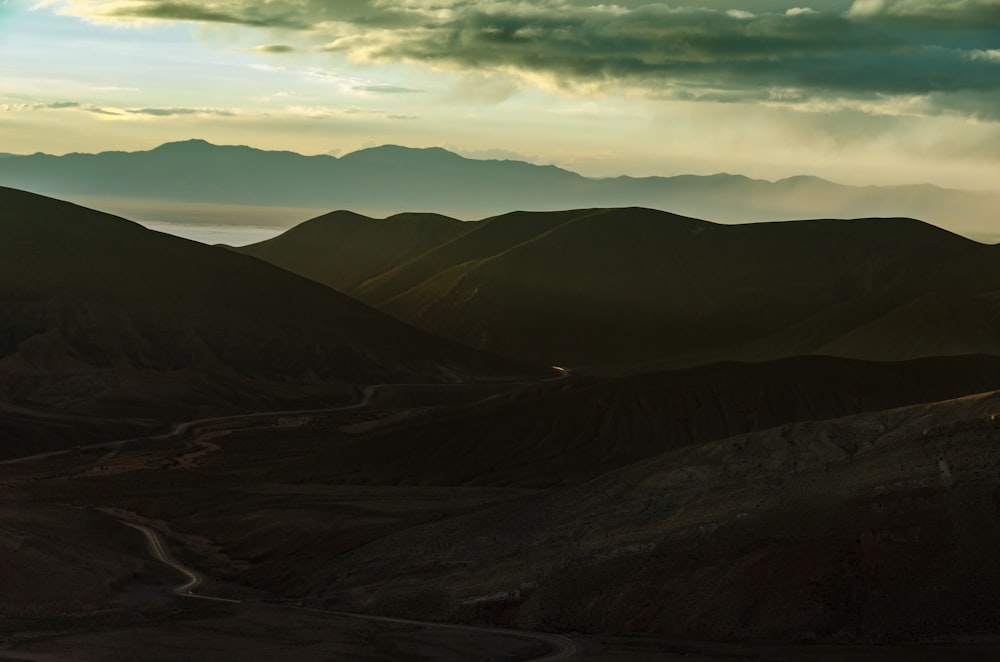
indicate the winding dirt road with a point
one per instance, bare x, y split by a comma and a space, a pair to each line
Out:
560, 648
159, 550
181, 428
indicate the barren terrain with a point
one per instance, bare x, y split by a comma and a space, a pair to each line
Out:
207, 457
696, 543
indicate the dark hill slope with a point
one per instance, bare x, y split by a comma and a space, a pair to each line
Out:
622, 290
103, 316
956, 309
341, 249
880, 526
24, 431
875, 527
567, 431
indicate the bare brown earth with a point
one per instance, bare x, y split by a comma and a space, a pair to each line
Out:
873, 528
572, 430
206, 632
24, 431
878, 527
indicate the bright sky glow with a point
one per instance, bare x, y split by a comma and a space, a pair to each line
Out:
860, 92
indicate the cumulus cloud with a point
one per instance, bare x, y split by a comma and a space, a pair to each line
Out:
866, 7
854, 49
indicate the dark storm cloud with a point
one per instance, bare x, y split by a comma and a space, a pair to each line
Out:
936, 15
241, 13
723, 51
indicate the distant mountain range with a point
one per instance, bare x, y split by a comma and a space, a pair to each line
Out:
390, 179
625, 290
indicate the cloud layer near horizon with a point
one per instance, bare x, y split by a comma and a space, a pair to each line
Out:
940, 56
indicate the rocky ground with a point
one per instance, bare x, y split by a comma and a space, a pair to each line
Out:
848, 534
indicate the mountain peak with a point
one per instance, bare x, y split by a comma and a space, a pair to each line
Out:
191, 143
805, 179
397, 152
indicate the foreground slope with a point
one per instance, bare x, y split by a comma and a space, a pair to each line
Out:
747, 517
876, 527
102, 316
744, 516
561, 433
625, 290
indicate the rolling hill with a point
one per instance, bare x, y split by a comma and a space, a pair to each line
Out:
632, 289
341, 249
106, 318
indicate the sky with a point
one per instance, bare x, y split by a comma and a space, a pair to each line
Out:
856, 91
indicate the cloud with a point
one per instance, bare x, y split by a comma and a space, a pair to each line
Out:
52, 105
170, 112
866, 7
102, 110
936, 15
242, 13
384, 89
861, 49
275, 48
374, 112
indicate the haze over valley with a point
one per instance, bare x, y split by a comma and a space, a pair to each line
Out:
184, 186
499, 331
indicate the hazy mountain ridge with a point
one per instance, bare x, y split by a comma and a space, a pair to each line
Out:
392, 179
626, 290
